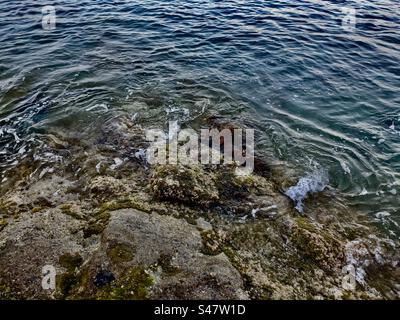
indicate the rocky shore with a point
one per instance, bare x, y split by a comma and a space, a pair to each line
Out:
115, 227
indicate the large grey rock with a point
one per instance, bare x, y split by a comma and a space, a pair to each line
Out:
29, 243
175, 247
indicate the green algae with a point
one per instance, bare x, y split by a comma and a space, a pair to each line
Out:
38, 209
99, 222
9, 208
383, 278
66, 281
70, 261
165, 262
210, 243
67, 209
96, 225
120, 253
40, 205
191, 219
18, 175
319, 246
126, 203
74, 284
133, 285
187, 184
3, 224
5, 292
353, 233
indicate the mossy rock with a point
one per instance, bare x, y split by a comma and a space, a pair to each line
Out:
97, 225
165, 262
317, 245
70, 261
38, 209
126, 203
40, 204
383, 277
3, 224
66, 281
9, 208
120, 252
5, 292
133, 285
211, 244
232, 186
188, 184
102, 187
69, 210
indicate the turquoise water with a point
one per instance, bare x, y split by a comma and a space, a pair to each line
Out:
315, 91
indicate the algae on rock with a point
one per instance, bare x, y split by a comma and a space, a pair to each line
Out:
188, 184
133, 285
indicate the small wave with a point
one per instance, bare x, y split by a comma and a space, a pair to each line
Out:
313, 182
179, 110
98, 107
345, 167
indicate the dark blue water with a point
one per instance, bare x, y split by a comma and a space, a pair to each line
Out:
315, 90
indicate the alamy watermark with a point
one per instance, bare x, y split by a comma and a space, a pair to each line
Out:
211, 146
49, 18
49, 277
349, 278
349, 19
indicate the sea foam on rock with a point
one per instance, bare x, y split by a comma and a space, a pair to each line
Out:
313, 182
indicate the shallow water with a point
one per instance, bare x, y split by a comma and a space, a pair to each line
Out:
315, 91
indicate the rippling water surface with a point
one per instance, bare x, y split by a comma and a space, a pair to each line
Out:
316, 92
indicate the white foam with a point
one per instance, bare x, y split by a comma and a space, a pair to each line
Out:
135, 117
382, 214
254, 211
141, 154
313, 182
99, 106
98, 166
117, 163
172, 109
45, 171
345, 167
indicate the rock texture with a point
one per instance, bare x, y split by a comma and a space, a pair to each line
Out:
120, 229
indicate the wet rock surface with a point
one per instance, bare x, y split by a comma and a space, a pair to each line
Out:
121, 229
190, 184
